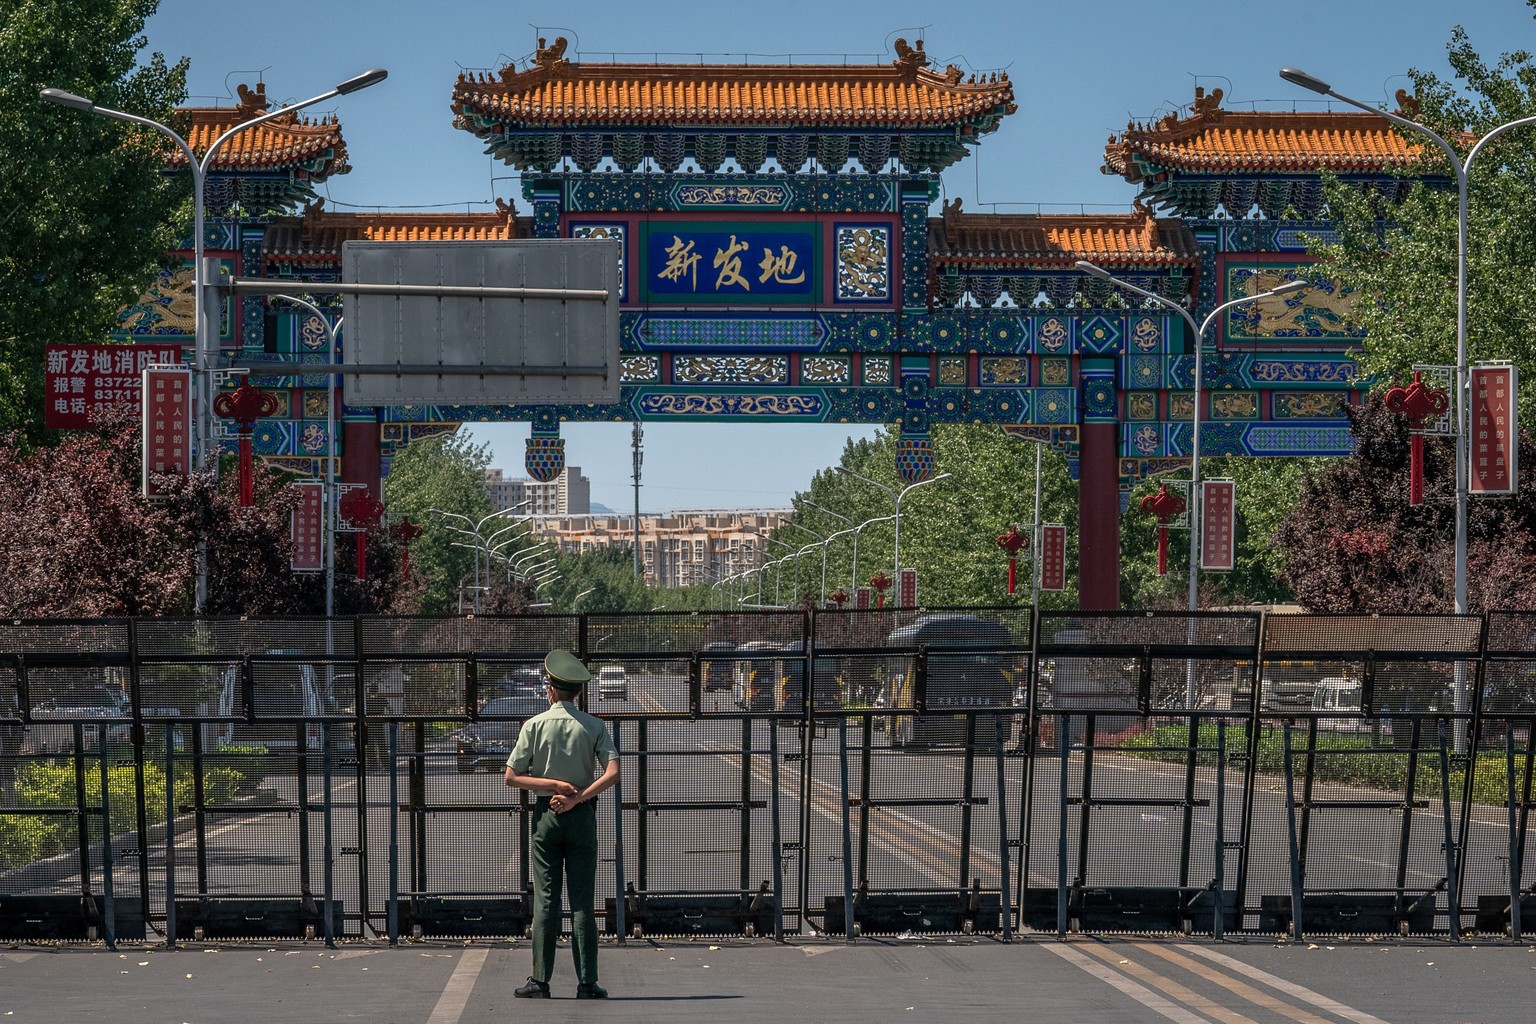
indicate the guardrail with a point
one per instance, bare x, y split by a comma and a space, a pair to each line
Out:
835, 772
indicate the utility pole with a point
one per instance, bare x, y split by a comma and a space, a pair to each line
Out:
639, 458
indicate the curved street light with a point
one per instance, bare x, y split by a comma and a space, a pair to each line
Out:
896, 498
1199, 342
1462, 169
202, 333
823, 541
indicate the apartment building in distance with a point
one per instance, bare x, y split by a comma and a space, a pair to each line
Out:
569, 494
678, 549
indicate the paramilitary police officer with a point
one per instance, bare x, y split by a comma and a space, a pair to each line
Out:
556, 757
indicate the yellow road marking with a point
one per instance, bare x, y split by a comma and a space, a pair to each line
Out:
1248, 992
1137, 991
1182, 993
1291, 988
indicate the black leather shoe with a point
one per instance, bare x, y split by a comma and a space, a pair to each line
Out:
592, 991
533, 990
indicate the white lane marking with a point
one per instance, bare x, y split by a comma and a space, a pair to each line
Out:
1290, 988
450, 1005
1137, 991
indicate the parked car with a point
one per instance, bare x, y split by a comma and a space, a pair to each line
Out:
612, 683
91, 705
488, 742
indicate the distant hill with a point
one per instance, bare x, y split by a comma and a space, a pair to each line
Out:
599, 509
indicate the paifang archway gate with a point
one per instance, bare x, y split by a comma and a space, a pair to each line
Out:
781, 263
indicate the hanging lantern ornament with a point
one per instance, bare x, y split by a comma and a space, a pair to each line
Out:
1011, 543
881, 583
839, 598
1165, 506
362, 511
405, 532
1418, 402
245, 405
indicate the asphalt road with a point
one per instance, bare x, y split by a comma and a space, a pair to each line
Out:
1074, 982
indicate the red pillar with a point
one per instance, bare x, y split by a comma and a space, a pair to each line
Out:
1098, 517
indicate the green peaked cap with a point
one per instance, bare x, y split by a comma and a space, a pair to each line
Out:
566, 670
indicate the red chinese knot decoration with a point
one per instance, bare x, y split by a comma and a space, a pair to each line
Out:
362, 511
1165, 507
1011, 542
405, 532
245, 405
839, 597
1418, 402
881, 583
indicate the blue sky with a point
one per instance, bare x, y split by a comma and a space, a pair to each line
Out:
1079, 72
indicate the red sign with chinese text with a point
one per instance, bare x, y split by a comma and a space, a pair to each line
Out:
306, 527
79, 380
1053, 557
906, 589
863, 598
1217, 498
167, 425
1494, 448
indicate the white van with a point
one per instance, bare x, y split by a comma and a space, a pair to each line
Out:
1339, 696
288, 690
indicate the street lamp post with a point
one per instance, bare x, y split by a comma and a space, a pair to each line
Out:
896, 498
203, 335
328, 537
823, 541
1199, 344
1462, 169
473, 531
856, 531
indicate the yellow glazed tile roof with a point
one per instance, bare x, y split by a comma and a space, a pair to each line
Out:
903, 94
1213, 140
287, 141
319, 231
1059, 239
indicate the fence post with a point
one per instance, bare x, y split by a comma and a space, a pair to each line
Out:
1514, 836
1063, 742
170, 842
619, 926
325, 845
1002, 827
1452, 886
1218, 925
392, 919
777, 836
1290, 829
842, 747
109, 908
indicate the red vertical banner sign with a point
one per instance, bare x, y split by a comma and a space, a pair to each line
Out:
1053, 557
906, 589
863, 597
1217, 498
306, 527
1494, 451
167, 425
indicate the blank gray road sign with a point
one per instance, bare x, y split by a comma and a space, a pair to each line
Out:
535, 351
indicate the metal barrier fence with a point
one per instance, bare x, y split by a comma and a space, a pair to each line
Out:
836, 772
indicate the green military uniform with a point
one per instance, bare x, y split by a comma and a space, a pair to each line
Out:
568, 744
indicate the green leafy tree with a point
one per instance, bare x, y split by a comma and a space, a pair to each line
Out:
1404, 268
89, 213
446, 472
603, 580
